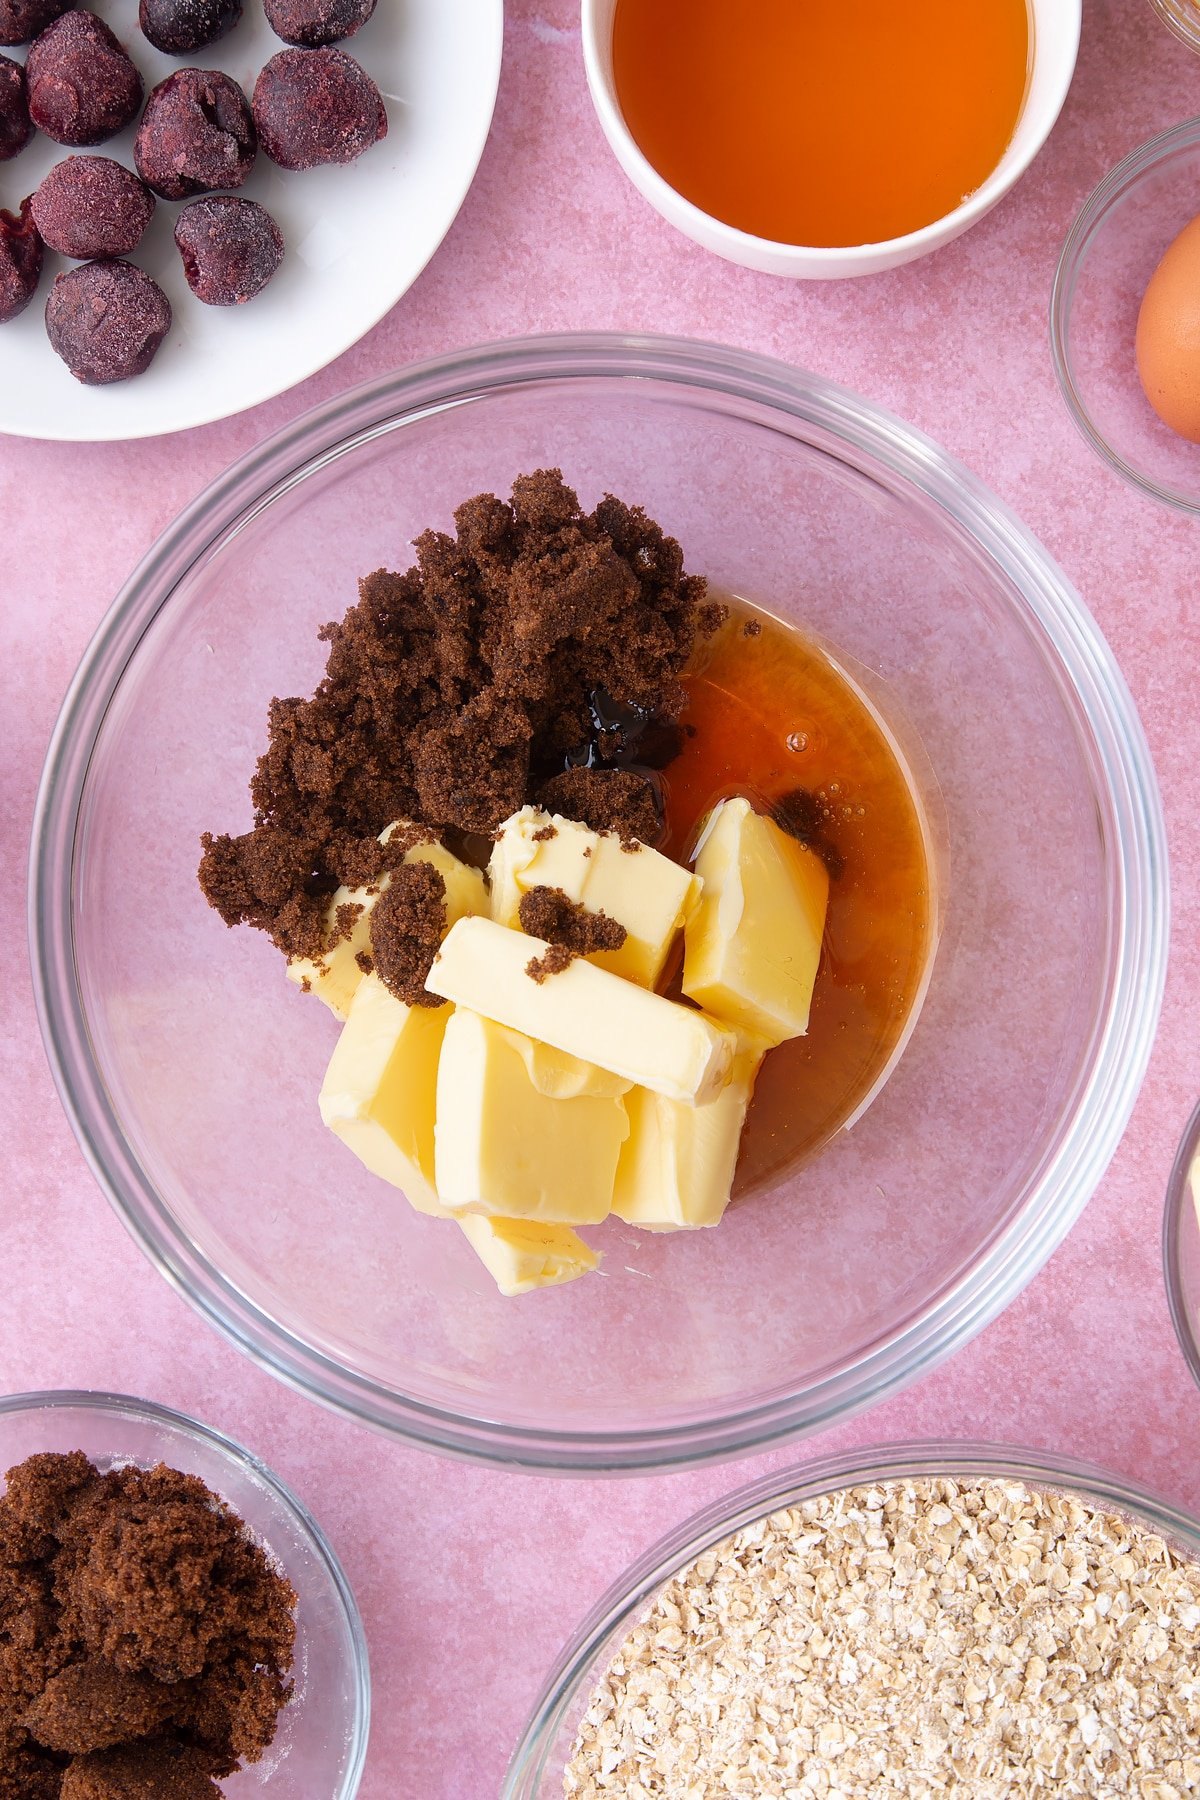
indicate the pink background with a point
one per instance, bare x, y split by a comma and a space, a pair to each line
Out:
470, 1580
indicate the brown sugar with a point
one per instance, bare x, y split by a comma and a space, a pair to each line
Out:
553, 960
549, 913
407, 923
144, 1772
807, 818
607, 800
145, 1641
94, 1705
457, 691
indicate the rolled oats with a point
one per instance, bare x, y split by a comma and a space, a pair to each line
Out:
979, 1639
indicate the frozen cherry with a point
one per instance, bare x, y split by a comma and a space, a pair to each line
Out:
316, 106
21, 20
196, 134
20, 261
106, 320
312, 23
92, 206
16, 126
230, 249
181, 27
82, 86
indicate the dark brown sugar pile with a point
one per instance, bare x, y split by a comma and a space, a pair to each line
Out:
457, 692
407, 924
145, 1639
546, 912
569, 930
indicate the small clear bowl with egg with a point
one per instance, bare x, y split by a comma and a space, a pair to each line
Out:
1183, 17
1110, 255
320, 1743
1181, 1243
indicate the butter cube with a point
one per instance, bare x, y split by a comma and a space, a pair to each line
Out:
753, 945
380, 1087
647, 893
523, 1132
586, 1011
677, 1165
522, 1255
335, 976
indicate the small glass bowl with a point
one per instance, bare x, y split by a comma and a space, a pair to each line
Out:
1183, 17
536, 1769
321, 1744
1111, 252
1181, 1247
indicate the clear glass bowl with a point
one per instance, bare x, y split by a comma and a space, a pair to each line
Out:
1183, 16
1112, 250
1181, 1246
536, 1769
190, 1067
321, 1743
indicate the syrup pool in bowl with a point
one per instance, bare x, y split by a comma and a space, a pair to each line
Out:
774, 715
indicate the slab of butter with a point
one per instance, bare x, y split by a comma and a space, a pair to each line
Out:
647, 893
524, 1131
380, 1087
752, 947
676, 1168
335, 977
588, 1012
521, 1255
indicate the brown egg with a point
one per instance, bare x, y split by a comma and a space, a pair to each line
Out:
1168, 335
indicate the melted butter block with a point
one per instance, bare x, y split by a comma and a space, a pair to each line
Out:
524, 1132
521, 1255
754, 943
676, 1169
647, 893
336, 976
583, 1010
380, 1088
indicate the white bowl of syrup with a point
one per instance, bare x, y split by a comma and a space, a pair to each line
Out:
824, 141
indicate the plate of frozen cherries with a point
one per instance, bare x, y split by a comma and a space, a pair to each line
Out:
204, 201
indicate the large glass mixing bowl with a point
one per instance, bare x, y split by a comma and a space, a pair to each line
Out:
190, 1067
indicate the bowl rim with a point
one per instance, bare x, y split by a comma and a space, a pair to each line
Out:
1186, 31
1179, 1208
838, 260
633, 1592
1088, 223
1079, 662
118, 1406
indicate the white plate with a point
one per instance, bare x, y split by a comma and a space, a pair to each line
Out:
357, 237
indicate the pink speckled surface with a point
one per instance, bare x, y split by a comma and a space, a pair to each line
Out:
470, 1580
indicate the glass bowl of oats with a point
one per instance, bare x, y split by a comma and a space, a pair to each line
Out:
190, 1066
1181, 1243
926, 1618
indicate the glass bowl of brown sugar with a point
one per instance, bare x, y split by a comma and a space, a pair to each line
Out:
906, 1167
208, 1631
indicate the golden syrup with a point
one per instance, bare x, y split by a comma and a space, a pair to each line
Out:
822, 122
771, 713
